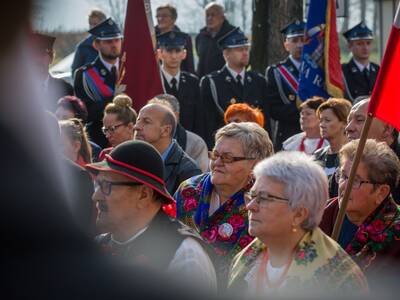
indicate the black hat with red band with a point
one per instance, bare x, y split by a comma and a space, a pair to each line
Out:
137, 160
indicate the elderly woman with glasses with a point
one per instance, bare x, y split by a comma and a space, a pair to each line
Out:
213, 203
375, 242
291, 254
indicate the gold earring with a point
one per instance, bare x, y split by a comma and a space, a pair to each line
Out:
294, 229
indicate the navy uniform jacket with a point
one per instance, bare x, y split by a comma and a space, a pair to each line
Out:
95, 100
84, 53
357, 83
282, 102
188, 96
219, 89
188, 63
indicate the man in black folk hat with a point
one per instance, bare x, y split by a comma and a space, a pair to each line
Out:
130, 194
282, 82
43, 54
183, 85
359, 73
231, 84
95, 83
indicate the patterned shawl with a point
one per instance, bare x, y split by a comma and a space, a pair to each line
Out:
319, 264
193, 203
377, 236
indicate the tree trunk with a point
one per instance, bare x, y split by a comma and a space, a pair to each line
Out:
363, 8
244, 14
269, 16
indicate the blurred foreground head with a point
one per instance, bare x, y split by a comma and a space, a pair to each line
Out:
44, 252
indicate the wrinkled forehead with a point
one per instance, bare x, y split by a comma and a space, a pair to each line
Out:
360, 108
153, 111
214, 10
231, 145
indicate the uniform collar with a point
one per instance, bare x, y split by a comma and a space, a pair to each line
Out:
295, 62
234, 73
360, 66
107, 65
169, 77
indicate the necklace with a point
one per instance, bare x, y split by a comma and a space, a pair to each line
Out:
262, 276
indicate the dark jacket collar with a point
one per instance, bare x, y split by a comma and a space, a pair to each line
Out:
226, 26
181, 136
175, 154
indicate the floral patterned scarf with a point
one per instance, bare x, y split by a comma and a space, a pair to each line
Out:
318, 263
376, 233
226, 229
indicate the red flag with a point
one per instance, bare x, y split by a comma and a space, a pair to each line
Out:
140, 71
333, 68
385, 99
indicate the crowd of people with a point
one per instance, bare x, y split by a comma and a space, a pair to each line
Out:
189, 185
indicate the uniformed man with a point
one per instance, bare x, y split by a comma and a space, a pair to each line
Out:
282, 84
183, 85
231, 84
43, 54
95, 83
359, 73
166, 15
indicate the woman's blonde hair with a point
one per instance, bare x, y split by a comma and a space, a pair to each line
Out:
122, 107
340, 107
75, 131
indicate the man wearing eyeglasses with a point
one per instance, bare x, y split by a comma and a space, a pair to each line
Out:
130, 195
379, 131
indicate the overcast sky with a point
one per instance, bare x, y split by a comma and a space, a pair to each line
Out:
71, 15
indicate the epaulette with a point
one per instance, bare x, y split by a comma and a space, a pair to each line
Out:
269, 69
257, 74
87, 66
214, 73
190, 75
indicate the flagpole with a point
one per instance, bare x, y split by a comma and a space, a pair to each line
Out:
343, 203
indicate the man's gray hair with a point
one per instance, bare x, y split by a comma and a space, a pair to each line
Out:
253, 138
305, 183
361, 99
169, 119
167, 99
215, 4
